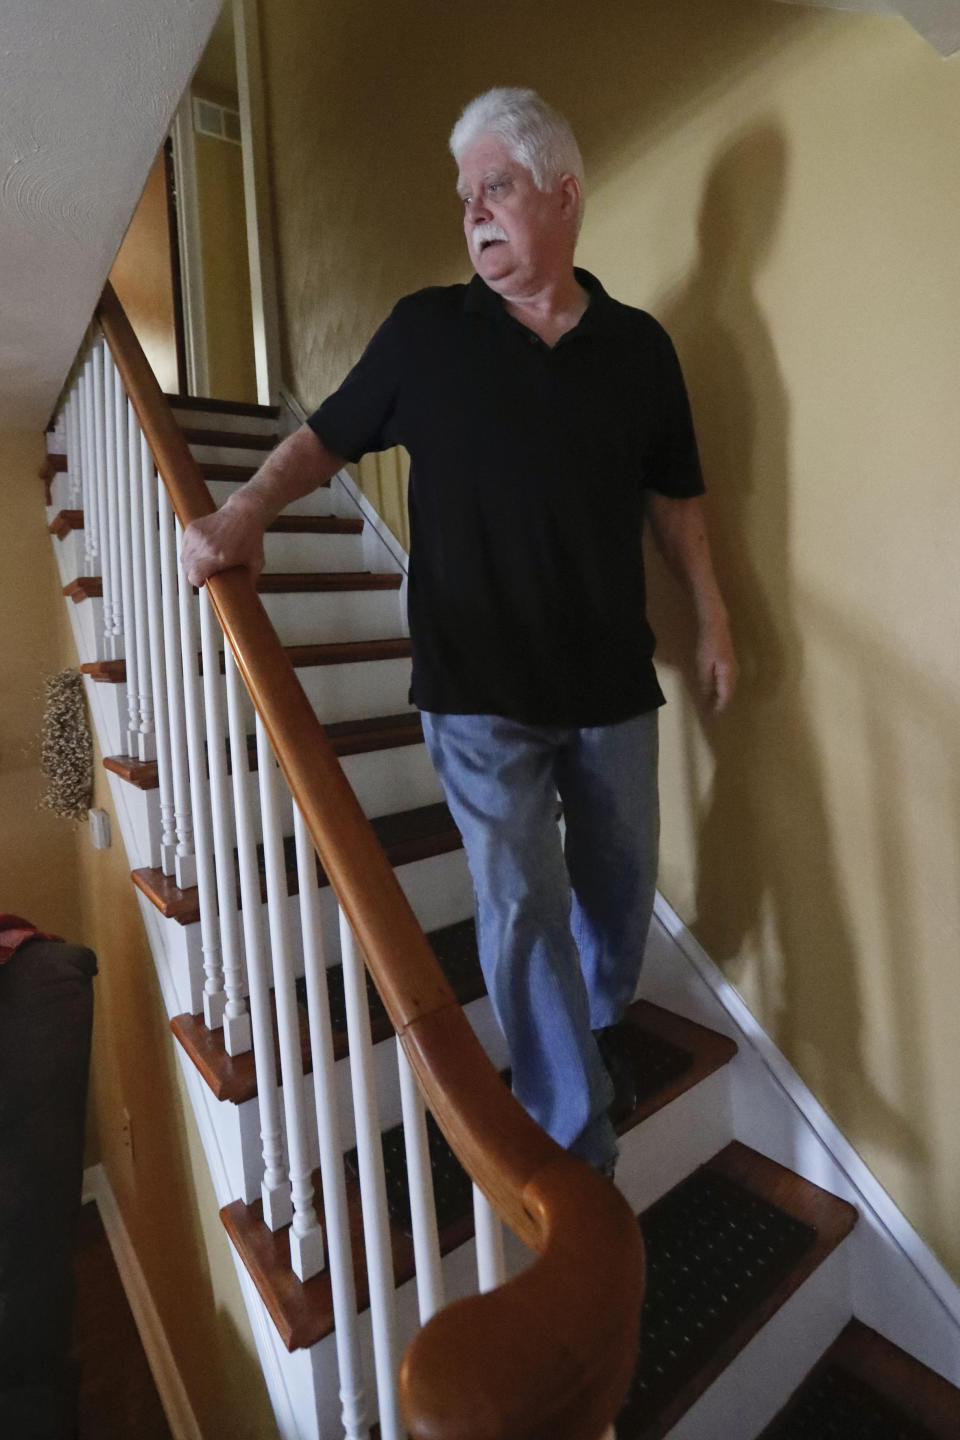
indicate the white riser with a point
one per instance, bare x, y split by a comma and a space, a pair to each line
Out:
325, 500
657, 1155
356, 692
237, 424
328, 616
387, 781
384, 781
286, 554
69, 553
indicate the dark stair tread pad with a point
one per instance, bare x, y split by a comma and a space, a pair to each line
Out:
714, 1251
835, 1405
657, 1062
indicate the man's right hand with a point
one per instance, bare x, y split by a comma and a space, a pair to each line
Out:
232, 535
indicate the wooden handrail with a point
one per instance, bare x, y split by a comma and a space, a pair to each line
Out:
549, 1354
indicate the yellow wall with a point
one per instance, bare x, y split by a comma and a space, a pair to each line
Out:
226, 272
50, 873
142, 276
780, 187
37, 868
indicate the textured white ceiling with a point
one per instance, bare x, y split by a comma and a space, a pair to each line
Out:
88, 91
937, 20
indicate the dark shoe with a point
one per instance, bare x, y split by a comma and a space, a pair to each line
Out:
615, 1053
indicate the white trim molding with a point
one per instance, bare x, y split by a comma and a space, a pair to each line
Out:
260, 244
163, 1367
190, 246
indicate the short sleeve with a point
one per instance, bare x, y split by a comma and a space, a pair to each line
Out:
360, 416
672, 465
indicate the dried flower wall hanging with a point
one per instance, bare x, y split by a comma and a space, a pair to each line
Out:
66, 749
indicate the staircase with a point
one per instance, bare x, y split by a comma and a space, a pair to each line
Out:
750, 1266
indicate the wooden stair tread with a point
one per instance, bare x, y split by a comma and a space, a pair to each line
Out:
871, 1378
348, 737
65, 522
237, 439
303, 1313
729, 1315
223, 407
234, 1078
406, 836
301, 657
277, 583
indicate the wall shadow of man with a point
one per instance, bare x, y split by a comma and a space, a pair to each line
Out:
767, 883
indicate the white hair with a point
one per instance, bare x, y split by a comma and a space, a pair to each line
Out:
537, 136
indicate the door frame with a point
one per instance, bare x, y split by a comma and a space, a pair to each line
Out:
260, 243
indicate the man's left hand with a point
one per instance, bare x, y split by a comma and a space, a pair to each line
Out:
717, 667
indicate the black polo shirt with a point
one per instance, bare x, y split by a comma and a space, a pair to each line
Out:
527, 479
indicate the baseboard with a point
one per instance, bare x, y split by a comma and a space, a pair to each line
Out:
870, 1196
163, 1367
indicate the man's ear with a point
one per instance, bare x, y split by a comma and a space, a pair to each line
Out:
570, 195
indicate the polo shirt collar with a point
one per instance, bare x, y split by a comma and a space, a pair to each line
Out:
600, 316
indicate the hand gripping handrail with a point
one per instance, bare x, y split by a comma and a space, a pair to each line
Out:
548, 1355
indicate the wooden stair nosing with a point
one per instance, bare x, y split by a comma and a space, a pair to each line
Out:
223, 407
278, 583
831, 1218
901, 1380
406, 836
303, 1313
65, 522
301, 657
55, 463
348, 737
84, 587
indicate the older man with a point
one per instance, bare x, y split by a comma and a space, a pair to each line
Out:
543, 420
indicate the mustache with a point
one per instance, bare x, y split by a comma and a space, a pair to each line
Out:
489, 230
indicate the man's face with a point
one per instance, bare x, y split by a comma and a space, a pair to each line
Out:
518, 237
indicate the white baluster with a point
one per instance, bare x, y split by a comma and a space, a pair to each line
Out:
214, 996
423, 1208
74, 457
275, 1187
100, 473
157, 653
236, 1021
488, 1228
373, 1190
336, 1218
185, 864
90, 512
145, 738
306, 1234
128, 639
112, 596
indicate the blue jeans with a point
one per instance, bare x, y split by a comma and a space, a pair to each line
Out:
561, 928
